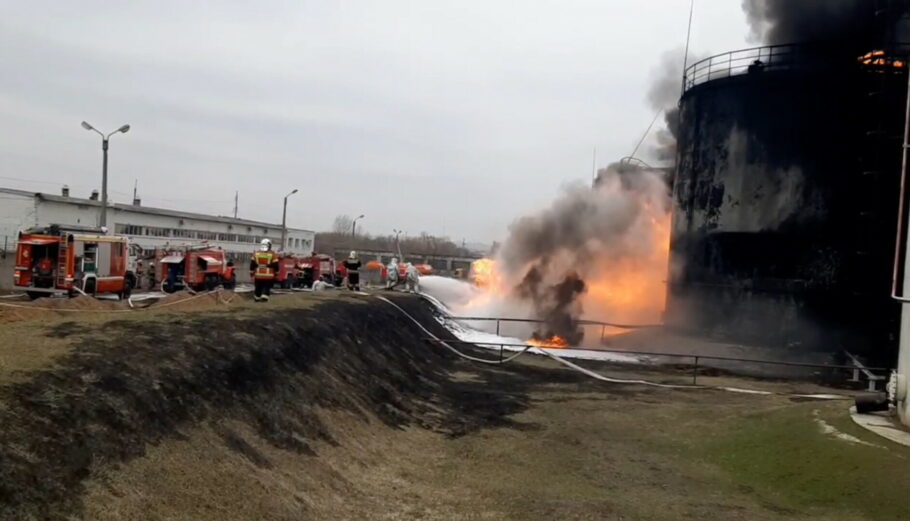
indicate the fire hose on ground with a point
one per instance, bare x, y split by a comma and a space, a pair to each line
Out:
436, 339
132, 309
601, 377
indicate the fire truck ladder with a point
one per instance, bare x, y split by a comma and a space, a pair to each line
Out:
189, 271
62, 250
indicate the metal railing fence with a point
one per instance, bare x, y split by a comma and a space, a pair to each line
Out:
771, 58
696, 358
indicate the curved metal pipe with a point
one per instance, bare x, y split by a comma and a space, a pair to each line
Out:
900, 242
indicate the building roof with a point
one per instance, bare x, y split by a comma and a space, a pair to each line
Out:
13, 191
145, 209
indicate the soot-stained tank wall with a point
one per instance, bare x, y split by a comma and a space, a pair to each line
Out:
785, 203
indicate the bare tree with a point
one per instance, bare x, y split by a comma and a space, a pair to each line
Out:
342, 224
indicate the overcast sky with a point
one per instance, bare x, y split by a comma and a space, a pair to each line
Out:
445, 117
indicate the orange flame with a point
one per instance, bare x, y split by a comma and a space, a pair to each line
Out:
879, 58
554, 341
627, 283
483, 272
632, 288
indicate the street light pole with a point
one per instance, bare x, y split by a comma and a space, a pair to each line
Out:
398, 245
354, 227
284, 220
102, 222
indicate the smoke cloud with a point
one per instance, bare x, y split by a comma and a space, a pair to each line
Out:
589, 249
663, 95
593, 248
852, 24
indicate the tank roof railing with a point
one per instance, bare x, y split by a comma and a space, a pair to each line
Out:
761, 59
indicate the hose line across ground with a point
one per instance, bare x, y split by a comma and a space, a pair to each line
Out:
601, 377
131, 310
527, 348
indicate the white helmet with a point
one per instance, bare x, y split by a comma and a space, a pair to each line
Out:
265, 245
353, 255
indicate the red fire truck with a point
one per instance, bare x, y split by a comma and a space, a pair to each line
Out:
288, 271
66, 260
195, 267
317, 267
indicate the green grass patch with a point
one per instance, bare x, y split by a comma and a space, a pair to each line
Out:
785, 458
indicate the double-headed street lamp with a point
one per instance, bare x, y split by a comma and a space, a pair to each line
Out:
354, 226
398, 244
104, 140
284, 220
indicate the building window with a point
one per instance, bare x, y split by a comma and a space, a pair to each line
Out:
184, 234
155, 231
127, 229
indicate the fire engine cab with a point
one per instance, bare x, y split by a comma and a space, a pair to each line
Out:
196, 267
289, 270
315, 268
65, 260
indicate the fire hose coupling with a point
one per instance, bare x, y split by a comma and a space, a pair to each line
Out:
897, 387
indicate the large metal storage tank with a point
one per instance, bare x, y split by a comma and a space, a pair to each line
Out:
785, 198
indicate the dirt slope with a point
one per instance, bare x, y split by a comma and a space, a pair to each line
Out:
333, 407
130, 383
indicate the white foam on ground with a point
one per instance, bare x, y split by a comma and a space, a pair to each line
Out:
830, 430
821, 396
487, 340
744, 391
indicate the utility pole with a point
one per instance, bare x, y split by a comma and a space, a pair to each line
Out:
102, 222
236, 196
135, 189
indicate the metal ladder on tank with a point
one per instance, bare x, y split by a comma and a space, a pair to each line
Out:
873, 182
875, 177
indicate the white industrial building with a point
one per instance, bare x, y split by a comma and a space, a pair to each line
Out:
148, 227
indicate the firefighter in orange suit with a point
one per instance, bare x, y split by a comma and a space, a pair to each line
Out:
263, 267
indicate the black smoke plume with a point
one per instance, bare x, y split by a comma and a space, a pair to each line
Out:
663, 95
555, 250
549, 255
556, 305
854, 26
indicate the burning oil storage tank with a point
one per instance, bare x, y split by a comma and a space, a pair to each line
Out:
786, 196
